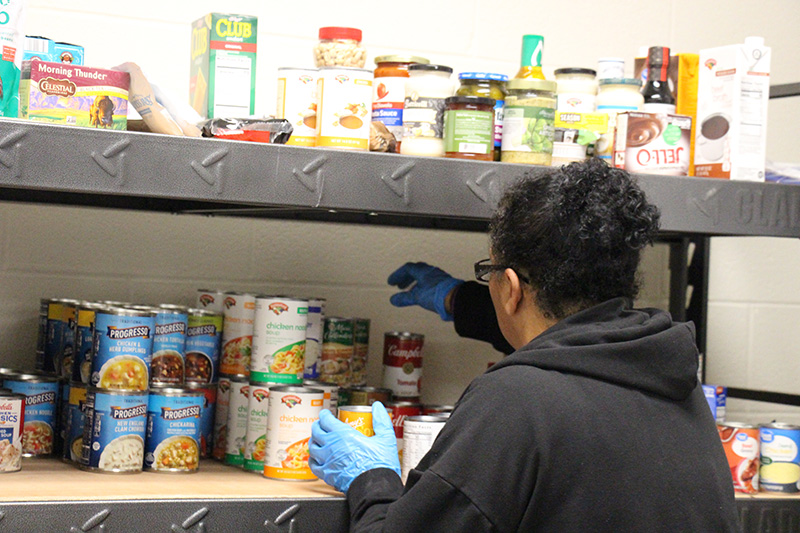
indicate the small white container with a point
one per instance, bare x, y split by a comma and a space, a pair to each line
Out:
427, 88
577, 90
610, 67
616, 95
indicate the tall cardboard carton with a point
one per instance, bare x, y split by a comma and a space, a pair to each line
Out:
732, 97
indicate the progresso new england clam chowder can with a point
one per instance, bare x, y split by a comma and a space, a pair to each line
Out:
114, 431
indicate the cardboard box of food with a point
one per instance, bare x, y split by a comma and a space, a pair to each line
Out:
650, 143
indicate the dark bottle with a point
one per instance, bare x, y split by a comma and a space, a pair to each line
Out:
657, 96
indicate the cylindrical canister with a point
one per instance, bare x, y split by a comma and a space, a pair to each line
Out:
41, 336
331, 393
221, 417
211, 300
365, 395
740, 442
297, 103
84, 341
238, 409
41, 405
123, 348
237, 333
402, 363
337, 350
292, 411
344, 107
360, 351
314, 327
399, 411
75, 420
203, 341
279, 339
172, 440
114, 431
209, 391
12, 420
780, 457
255, 442
359, 417
419, 432
67, 354
169, 345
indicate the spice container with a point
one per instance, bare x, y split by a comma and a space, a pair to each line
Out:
339, 47
616, 95
528, 118
487, 85
577, 89
469, 128
423, 116
390, 91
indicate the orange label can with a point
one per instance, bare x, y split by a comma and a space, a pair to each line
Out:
290, 415
359, 417
740, 442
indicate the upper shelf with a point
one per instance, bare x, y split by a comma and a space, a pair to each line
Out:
82, 166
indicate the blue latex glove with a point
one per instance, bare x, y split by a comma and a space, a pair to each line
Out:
338, 453
430, 287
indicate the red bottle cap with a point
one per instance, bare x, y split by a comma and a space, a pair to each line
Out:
337, 32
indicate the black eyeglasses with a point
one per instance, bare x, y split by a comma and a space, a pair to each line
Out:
483, 268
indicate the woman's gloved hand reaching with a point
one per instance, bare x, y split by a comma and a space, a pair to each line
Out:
427, 286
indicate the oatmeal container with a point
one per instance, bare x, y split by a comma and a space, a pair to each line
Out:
210, 300
114, 432
237, 333
12, 419
169, 345
256, 439
221, 416
330, 390
359, 417
314, 326
203, 341
402, 363
338, 347
84, 341
172, 439
292, 411
344, 107
75, 420
209, 391
297, 103
279, 339
419, 432
123, 348
238, 410
41, 405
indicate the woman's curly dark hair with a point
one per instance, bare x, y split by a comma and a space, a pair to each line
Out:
576, 233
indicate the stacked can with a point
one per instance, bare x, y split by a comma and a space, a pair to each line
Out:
237, 333
279, 339
12, 421
84, 341
54, 351
210, 300
221, 409
172, 441
419, 432
740, 442
314, 331
364, 395
780, 457
209, 391
123, 348
292, 411
75, 420
256, 435
360, 351
203, 341
338, 340
402, 363
41, 407
236, 425
330, 393
399, 411
169, 345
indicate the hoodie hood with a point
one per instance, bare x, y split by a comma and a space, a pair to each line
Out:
635, 348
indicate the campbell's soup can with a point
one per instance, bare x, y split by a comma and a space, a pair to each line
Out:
237, 333
172, 439
219, 438
780, 457
740, 442
84, 342
209, 391
330, 393
12, 421
360, 351
297, 103
338, 344
169, 345
203, 341
344, 107
419, 432
41, 407
359, 417
75, 420
211, 300
123, 348
279, 339
238, 409
314, 327
114, 431
402, 363
255, 442
399, 411
292, 411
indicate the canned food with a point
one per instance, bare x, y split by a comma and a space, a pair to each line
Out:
279, 339
419, 432
740, 442
61, 417
337, 350
57, 335
41, 404
221, 417
365, 395
41, 334
432, 409
172, 440
330, 393
360, 351
75, 421
402, 363
297, 103
399, 411
203, 339
113, 436
123, 348
344, 107
84, 341
238, 410
292, 411
255, 444
12, 420
314, 327
237, 333
780, 462
169, 345
211, 300
359, 417
209, 391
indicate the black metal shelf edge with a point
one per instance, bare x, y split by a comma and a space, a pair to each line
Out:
79, 166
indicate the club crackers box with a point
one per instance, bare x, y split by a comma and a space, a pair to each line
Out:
222, 76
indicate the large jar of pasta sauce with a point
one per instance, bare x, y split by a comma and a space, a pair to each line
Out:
389, 94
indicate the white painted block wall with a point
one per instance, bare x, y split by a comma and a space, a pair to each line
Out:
103, 254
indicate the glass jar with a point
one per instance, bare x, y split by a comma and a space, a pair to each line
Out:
610, 67
577, 90
390, 91
469, 128
427, 88
528, 121
616, 95
487, 85
339, 47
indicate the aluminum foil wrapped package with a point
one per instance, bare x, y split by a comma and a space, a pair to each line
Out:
265, 130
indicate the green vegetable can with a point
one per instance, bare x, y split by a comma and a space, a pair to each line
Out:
528, 122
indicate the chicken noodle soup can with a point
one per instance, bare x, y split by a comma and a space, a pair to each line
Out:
41, 406
238, 409
780, 457
297, 103
360, 351
279, 339
123, 348
172, 440
114, 432
221, 416
203, 340
75, 420
740, 442
210, 300
330, 391
344, 107
292, 411
359, 417
337, 350
419, 433
237, 333
255, 443
402, 363
169, 345
84, 341
12, 421
209, 391
314, 327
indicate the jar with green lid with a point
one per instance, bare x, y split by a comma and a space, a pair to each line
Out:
487, 85
528, 121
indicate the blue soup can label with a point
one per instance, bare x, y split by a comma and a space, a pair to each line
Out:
84, 342
174, 418
41, 404
114, 430
75, 419
780, 458
123, 348
203, 341
169, 346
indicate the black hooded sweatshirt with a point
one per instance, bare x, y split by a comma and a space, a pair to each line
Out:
598, 424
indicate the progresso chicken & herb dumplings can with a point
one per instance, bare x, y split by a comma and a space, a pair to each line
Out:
279, 339
123, 348
237, 333
203, 341
114, 431
780, 457
12, 419
292, 411
169, 345
172, 438
41, 406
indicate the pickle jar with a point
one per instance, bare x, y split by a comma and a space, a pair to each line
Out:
339, 47
529, 121
469, 127
389, 91
488, 85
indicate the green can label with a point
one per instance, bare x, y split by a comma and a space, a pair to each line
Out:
468, 131
528, 129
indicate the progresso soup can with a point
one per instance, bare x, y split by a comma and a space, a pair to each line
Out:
41, 406
172, 438
75, 420
316, 317
238, 410
169, 345
237, 333
12, 419
114, 431
203, 341
740, 442
780, 457
292, 411
84, 341
279, 339
209, 391
123, 348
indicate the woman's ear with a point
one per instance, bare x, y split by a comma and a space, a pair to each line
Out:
511, 292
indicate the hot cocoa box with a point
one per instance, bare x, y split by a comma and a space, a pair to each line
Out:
74, 95
649, 143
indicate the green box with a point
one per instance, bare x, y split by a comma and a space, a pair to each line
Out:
222, 76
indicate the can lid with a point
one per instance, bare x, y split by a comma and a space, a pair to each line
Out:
401, 59
779, 425
532, 84
428, 419
491, 76
32, 377
318, 383
355, 408
172, 390
173, 307
621, 81
339, 32
431, 68
196, 311
8, 393
573, 70
742, 425
474, 100
404, 335
296, 388
141, 310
